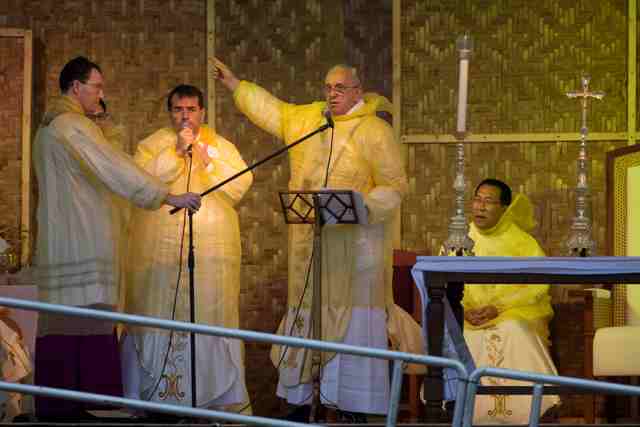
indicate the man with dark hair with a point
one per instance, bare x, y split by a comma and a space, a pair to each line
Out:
78, 69
76, 262
506, 325
505, 190
185, 91
189, 154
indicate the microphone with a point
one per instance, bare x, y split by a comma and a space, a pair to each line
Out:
183, 125
327, 115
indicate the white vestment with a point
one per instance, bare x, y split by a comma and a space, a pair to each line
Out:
513, 345
80, 175
160, 372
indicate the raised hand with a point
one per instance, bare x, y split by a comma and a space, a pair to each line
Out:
224, 74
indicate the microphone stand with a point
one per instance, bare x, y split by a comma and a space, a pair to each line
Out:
259, 162
191, 262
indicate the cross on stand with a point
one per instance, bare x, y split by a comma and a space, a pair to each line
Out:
580, 242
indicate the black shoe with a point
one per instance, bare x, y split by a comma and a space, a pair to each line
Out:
347, 417
299, 414
24, 418
75, 417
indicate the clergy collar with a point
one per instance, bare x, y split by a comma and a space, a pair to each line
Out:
356, 107
62, 104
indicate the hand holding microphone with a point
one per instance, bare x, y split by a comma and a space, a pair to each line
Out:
186, 139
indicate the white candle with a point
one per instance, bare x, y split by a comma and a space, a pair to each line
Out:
463, 82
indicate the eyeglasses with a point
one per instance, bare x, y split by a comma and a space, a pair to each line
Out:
339, 89
98, 86
99, 116
479, 200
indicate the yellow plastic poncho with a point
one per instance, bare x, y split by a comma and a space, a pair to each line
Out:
154, 244
509, 237
154, 262
79, 173
366, 159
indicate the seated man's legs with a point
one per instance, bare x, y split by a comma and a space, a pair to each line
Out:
512, 344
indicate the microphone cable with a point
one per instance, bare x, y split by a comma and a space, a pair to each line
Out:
285, 348
177, 288
332, 404
326, 175
306, 285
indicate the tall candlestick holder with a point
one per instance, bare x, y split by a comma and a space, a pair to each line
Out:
458, 242
580, 241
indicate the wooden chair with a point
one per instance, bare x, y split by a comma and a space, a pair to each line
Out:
616, 346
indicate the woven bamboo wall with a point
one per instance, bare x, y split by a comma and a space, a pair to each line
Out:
527, 55
368, 31
143, 47
11, 86
286, 47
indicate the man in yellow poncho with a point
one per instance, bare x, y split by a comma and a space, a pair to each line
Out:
357, 301
506, 325
158, 363
76, 259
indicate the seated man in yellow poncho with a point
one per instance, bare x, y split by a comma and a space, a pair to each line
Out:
506, 326
357, 299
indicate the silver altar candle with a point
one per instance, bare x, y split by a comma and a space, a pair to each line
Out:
458, 241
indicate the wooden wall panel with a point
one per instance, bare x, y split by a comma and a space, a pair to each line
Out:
12, 75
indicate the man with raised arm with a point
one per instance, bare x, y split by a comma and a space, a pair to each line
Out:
357, 300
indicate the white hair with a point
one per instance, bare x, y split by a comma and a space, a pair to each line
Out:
353, 71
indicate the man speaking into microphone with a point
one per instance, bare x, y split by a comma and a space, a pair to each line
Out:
360, 154
156, 363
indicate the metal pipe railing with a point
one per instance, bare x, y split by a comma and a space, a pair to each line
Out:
397, 356
146, 406
540, 380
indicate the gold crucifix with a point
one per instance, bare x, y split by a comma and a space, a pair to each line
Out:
585, 94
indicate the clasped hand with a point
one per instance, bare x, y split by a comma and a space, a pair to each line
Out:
481, 315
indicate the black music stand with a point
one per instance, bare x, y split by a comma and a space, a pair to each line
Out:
319, 208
